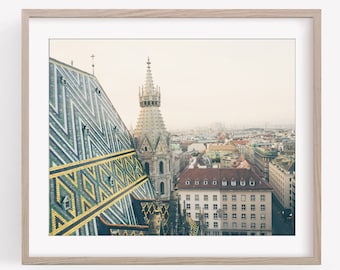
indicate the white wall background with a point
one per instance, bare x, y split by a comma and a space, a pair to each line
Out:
10, 106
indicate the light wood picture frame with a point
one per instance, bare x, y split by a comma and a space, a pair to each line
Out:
315, 97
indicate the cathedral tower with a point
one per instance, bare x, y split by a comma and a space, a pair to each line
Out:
152, 139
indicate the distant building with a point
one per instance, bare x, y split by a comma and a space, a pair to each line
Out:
180, 160
222, 155
184, 145
226, 201
282, 179
289, 147
250, 153
241, 163
219, 150
262, 157
240, 145
197, 147
213, 147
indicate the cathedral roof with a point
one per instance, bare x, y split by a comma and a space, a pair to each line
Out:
92, 160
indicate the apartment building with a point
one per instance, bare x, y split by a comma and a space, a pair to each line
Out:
282, 179
226, 201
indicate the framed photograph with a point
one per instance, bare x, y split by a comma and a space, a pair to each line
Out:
178, 137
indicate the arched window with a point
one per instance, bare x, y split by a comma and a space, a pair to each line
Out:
161, 167
147, 167
161, 188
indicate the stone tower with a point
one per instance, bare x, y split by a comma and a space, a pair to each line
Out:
152, 139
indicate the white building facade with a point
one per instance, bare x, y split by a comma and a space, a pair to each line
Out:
282, 179
226, 201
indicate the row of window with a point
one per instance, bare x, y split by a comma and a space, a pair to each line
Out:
233, 183
234, 225
147, 167
150, 103
160, 166
225, 197
225, 207
225, 216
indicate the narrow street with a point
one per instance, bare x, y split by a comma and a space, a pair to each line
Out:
280, 225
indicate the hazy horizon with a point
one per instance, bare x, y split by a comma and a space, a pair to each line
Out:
238, 83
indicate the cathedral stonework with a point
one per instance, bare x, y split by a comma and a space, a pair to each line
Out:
152, 139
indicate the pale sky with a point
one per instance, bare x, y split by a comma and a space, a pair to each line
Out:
239, 83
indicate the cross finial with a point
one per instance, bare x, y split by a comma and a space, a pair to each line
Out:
93, 56
148, 62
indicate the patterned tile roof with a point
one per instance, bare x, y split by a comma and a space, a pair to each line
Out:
94, 168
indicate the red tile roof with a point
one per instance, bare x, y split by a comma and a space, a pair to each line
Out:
242, 142
217, 178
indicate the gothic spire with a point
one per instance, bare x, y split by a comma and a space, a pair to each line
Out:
152, 139
150, 120
149, 95
148, 85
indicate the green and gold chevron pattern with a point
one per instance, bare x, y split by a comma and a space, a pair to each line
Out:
94, 169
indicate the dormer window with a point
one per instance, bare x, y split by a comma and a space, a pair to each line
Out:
233, 182
62, 80
251, 183
86, 130
197, 182
187, 182
66, 203
205, 182
98, 91
224, 183
214, 182
242, 182
111, 181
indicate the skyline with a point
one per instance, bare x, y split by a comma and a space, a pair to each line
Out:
238, 83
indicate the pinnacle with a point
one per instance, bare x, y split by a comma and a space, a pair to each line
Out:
149, 95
